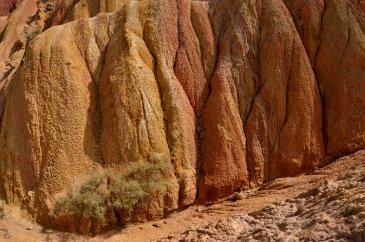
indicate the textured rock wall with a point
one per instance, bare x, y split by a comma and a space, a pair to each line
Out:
13, 36
7, 6
333, 35
224, 94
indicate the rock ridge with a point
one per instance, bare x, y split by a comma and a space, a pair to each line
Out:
205, 98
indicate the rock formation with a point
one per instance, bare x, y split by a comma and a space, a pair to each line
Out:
201, 98
338, 65
8, 6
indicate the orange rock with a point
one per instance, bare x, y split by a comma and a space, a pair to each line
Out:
13, 32
340, 72
338, 66
218, 95
8, 6
224, 163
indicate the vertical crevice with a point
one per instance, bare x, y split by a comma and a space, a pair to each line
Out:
200, 170
320, 89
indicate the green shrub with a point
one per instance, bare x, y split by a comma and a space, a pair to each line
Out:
32, 35
114, 190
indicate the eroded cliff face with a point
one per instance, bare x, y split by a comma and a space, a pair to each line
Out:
198, 98
333, 34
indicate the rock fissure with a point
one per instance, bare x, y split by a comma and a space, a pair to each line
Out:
203, 98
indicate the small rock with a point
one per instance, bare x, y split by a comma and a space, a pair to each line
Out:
156, 225
236, 197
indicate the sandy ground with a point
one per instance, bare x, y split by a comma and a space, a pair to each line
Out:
13, 227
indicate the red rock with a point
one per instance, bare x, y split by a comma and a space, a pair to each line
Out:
8, 6
215, 96
338, 66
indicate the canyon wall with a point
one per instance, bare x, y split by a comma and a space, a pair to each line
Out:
184, 100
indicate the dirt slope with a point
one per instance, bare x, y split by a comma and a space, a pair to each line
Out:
334, 210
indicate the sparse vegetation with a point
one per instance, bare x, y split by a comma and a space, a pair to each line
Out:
113, 190
32, 35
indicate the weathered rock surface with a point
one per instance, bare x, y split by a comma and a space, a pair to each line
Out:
14, 31
333, 35
8, 6
211, 97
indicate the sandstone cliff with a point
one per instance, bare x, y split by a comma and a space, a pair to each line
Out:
181, 100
